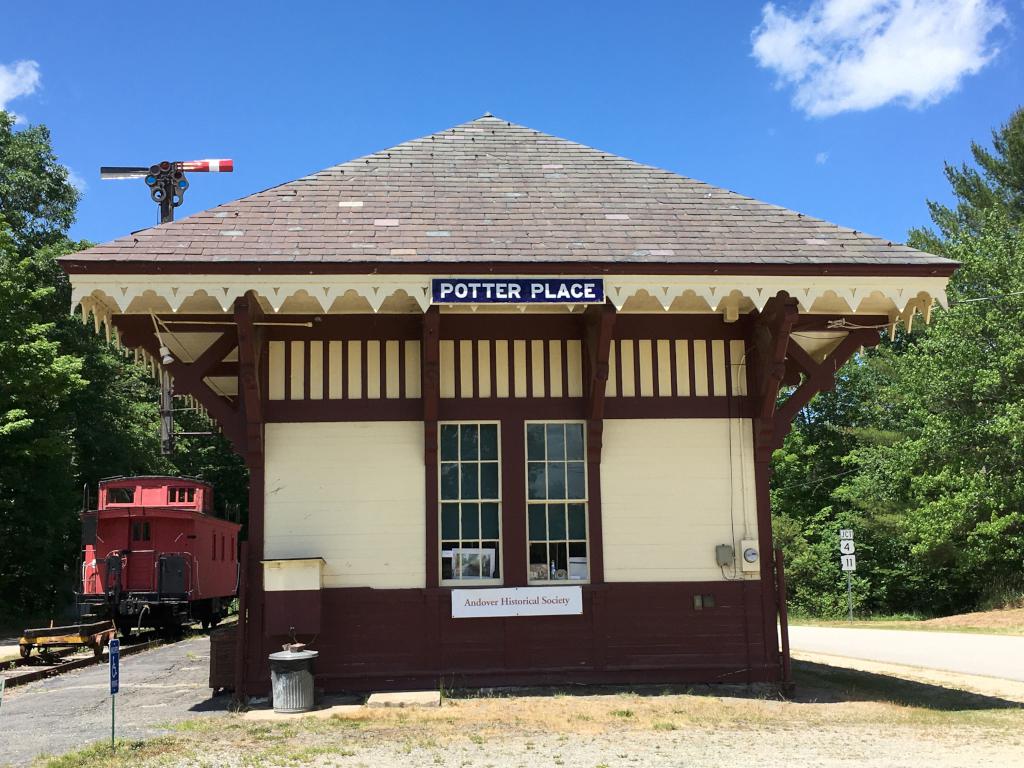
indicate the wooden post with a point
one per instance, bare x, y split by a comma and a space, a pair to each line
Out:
780, 587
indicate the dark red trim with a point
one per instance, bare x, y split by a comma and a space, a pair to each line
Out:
430, 388
628, 633
514, 555
71, 265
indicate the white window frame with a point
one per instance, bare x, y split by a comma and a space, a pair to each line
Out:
549, 582
468, 583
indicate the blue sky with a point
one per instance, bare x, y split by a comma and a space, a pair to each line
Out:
843, 109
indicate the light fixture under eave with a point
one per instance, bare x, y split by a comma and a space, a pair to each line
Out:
166, 357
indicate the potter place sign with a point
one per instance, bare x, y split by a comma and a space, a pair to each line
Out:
517, 290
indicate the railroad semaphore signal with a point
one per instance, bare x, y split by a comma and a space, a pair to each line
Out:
166, 179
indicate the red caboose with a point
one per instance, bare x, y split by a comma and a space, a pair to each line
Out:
155, 556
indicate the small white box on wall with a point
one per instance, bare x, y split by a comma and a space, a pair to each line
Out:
750, 556
293, 574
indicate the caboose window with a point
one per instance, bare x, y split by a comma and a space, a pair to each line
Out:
181, 495
140, 530
120, 495
470, 503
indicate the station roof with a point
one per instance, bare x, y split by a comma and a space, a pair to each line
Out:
493, 193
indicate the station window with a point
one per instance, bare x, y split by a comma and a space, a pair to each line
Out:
470, 491
556, 493
140, 530
181, 495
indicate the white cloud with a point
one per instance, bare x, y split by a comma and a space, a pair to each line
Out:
77, 181
821, 158
18, 79
843, 55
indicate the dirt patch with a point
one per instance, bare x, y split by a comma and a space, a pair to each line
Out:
1005, 620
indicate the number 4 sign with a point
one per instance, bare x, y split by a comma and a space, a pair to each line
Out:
846, 547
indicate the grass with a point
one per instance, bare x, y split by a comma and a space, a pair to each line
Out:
830, 699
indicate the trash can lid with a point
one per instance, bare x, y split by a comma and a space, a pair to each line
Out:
293, 655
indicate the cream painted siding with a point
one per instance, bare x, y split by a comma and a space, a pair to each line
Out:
672, 489
352, 493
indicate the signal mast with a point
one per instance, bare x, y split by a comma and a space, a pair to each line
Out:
167, 184
166, 179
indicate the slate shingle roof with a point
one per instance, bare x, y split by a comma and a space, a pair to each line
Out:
491, 191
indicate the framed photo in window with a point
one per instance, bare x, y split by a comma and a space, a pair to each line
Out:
472, 563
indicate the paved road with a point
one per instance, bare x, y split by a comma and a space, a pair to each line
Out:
999, 656
73, 709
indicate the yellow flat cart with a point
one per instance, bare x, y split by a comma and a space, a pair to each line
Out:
94, 636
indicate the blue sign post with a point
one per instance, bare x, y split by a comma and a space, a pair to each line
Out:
114, 651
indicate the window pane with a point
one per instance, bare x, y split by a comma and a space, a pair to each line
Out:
537, 486
489, 480
556, 442
449, 442
577, 521
556, 521
535, 442
538, 526
574, 441
492, 547
470, 522
576, 484
577, 549
469, 448
488, 441
489, 521
449, 521
539, 567
449, 481
557, 552
466, 566
446, 562
556, 479
470, 481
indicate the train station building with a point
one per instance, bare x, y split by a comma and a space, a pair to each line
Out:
508, 403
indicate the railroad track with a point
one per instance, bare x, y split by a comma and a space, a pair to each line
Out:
38, 667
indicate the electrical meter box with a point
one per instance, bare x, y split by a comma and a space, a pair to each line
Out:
725, 556
750, 560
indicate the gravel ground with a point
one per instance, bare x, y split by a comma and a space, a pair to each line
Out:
840, 718
756, 748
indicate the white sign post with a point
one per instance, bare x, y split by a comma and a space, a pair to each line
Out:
848, 561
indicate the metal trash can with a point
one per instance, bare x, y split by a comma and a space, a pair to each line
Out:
291, 678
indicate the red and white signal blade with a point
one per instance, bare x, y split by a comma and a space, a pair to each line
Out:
209, 166
123, 172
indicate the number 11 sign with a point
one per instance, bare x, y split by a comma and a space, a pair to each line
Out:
848, 562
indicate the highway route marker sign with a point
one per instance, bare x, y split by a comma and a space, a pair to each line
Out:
848, 562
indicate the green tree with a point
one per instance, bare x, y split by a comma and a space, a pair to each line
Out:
37, 381
918, 446
36, 198
72, 408
994, 182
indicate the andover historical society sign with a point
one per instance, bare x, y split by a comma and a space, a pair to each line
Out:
537, 290
516, 601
